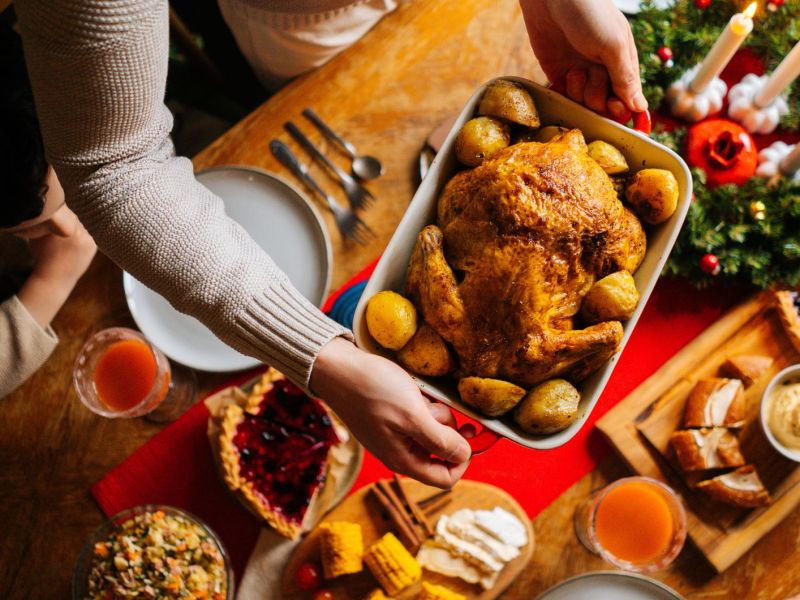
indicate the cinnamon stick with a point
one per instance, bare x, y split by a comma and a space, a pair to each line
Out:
398, 517
433, 498
416, 513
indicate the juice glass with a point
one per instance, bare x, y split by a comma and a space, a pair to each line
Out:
636, 523
119, 374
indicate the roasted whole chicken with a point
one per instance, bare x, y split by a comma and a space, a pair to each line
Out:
519, 241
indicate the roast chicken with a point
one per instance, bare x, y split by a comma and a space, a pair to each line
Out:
519, 241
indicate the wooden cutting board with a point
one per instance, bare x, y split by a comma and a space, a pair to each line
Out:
362, 508
640, 425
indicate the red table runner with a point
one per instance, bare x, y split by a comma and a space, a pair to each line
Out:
176, 466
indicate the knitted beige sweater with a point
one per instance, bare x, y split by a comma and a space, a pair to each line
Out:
98, 69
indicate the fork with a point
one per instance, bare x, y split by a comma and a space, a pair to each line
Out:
347, 221
358, 196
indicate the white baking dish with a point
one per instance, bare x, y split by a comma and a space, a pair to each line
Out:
554, 109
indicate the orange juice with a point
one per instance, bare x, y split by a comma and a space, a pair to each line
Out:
125, 374
634, 522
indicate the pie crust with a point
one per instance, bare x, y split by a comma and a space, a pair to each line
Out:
314, 445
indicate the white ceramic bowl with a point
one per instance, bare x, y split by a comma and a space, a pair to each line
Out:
789, 374
554, 109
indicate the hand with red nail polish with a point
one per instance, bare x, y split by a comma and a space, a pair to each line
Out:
587, 46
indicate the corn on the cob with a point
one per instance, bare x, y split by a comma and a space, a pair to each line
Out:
391, 564
438, 592
376, 594
341, 548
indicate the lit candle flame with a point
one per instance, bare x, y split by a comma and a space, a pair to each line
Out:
750, 11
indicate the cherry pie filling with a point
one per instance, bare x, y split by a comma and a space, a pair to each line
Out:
283, 449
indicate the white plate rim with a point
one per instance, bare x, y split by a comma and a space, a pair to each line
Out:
612, 574
128, 281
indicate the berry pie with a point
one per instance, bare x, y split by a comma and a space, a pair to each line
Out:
275, 451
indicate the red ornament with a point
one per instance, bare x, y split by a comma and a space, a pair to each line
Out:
774, 5
724, 150
710, 264
307, 577
665, 55
702, 4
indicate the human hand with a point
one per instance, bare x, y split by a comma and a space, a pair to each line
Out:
587, 46
61, 256
388, 414
65, 252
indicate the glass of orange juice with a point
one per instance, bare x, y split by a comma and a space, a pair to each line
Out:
636, 523
119, 374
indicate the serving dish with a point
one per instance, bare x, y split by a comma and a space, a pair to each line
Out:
80, 576
610, 585
361, 507
640, 152
283, 222
789, 374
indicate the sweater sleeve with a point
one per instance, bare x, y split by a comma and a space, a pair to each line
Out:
98, 69
24, 345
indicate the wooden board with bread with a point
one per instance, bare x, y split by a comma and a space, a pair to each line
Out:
694, 424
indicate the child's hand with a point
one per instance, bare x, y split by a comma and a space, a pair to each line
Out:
585, 46
385, 410
62, 253
65, 251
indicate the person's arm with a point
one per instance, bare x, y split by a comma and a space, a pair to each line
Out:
24, 345
586, 47
98, 69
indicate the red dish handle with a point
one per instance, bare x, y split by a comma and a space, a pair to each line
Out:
481, 441
643, 122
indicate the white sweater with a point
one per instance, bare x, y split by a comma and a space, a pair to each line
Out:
98, 69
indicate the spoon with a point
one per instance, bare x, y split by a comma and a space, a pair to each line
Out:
364, 167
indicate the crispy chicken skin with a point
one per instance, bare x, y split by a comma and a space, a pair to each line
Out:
519, 242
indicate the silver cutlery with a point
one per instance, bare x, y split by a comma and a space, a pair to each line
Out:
364, 167
347, 221
358, 196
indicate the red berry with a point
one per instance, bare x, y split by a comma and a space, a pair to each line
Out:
710, 264
307, 577
702, 4
664, 53
776, 3
323, 595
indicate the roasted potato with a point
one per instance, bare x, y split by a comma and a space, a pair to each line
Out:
609, 157
391, 319
426, 353
613, 298
653, 193
492, 397
549, 407
479, 138
545, 134
509, 101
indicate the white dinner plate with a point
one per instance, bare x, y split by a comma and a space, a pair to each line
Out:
631, 7
610, 585
282, 222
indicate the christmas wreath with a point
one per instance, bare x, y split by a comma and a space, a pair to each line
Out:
739, 226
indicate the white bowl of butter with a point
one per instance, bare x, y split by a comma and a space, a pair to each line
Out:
780, 412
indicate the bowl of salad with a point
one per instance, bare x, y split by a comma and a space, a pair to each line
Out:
153, 551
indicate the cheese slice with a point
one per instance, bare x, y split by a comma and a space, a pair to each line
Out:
502, 525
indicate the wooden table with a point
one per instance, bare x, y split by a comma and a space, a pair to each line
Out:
386, 94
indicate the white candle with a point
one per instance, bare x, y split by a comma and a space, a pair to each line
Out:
791, 163
740, 25
781, 77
